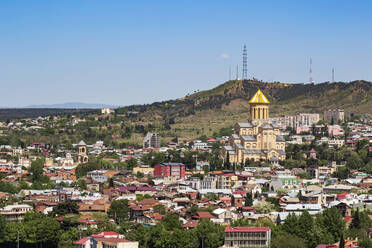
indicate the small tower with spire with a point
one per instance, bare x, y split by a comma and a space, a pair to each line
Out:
82, 152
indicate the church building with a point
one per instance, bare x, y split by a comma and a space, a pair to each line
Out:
258, 139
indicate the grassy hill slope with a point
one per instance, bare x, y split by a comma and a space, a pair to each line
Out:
205, 112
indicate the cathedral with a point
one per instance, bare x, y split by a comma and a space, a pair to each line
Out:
258, 139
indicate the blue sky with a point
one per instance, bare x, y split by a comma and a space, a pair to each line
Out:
130, 52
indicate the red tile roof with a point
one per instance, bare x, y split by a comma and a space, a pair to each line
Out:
347, 219
204, 215
191, 224
81, 241
246, 229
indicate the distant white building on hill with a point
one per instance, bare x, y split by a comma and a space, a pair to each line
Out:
107, 111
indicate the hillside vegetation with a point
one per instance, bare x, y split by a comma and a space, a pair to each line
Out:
206, 112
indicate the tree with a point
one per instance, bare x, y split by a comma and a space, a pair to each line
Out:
248, 200
286, 240
241, 222
365, 242
2, 228
305, 224
354, 161
119, 210
83, 169
291, 225
159, 209
342, 241
183, 238
67, 207
210, 235
264, 207
332, 222
82, 184
171, 221
360, 220
13, 231
67, 238
159, 237
111, 182
355, 223
47, 230
36, 170
342, 172
131, 163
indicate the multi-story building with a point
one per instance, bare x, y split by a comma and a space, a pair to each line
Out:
247, 237
334, 115
151, 140
256, 139
284, 181
15, 212
295, 121
176, 170
226, 181
208, 182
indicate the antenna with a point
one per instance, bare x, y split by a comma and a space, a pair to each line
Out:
237, 72
311, 70
229, 72
333, 75
245, 70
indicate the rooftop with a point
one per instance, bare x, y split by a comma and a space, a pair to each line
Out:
246, 229
259, 97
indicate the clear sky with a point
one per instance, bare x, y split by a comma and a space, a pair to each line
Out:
130, 52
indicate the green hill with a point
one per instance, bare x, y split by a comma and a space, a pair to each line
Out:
206, 112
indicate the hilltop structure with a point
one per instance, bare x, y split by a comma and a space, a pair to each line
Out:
257, 139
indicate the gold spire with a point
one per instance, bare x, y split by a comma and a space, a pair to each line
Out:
259, 97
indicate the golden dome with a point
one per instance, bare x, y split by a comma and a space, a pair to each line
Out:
259, 97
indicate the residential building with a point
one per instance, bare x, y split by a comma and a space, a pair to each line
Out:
15, 212
247, 237
151, 140
284, 181
334, 115
176, 170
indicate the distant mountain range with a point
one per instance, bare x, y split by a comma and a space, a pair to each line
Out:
73, 105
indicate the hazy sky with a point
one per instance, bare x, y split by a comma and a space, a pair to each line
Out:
128, 52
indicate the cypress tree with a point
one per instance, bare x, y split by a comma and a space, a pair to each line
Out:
342, 241
355, 223
248, 200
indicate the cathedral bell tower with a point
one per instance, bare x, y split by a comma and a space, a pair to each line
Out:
259, 107
82, 152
